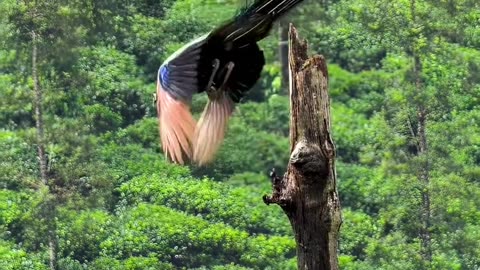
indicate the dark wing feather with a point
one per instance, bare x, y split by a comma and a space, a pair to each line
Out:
179, 73
249, 61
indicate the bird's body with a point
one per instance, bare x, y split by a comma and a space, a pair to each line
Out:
225, 63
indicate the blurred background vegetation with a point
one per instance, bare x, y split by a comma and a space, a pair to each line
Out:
119, 205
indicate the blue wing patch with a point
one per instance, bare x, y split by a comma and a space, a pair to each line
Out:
163, 74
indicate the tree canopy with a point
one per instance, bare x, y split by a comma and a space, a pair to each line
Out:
405, 89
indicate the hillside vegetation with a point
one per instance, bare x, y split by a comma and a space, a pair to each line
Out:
405, 90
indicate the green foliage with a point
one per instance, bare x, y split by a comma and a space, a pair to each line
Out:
18, 166
356, 233
81, 233
128, 161
112, 81
132, 263
271, 116
13, 258
121, 205
188, 241
11, 210
13, 110
214, 202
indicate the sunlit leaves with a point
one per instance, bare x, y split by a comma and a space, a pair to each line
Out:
123, 206
157, 231
215, 202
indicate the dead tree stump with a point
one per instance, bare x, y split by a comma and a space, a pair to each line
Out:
308, 191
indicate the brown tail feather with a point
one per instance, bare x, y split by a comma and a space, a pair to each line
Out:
177, 126
211, 128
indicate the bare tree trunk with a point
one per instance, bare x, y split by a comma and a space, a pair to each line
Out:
308, 193
50, 204
39, 113
52, 235
423, 173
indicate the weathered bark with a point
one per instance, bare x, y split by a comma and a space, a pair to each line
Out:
50, 207
307, 193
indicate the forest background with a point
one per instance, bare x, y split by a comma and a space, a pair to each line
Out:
405, 89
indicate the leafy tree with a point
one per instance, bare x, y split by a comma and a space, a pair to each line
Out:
121, 205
